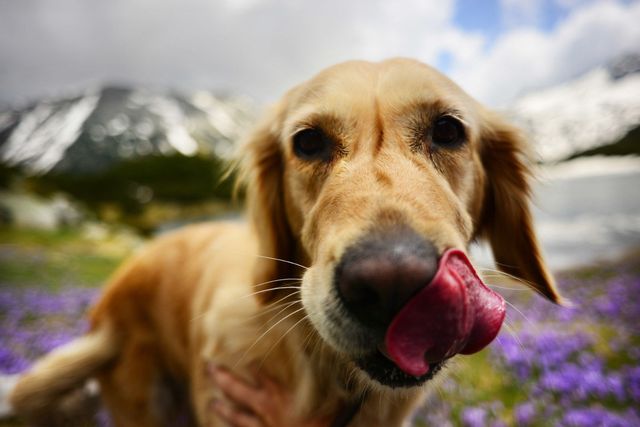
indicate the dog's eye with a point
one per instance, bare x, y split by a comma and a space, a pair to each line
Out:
312, 144
447, 131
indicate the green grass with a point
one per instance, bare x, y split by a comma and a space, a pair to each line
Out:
480, 378
57, 269
55, 258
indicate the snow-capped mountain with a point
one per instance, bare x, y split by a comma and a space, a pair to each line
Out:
91, 132
596, 109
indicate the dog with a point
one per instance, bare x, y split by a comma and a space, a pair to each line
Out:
348, 283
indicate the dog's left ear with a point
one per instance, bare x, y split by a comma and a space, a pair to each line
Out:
506, 220
261, 173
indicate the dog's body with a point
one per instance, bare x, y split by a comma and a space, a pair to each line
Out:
166, 328
361, 150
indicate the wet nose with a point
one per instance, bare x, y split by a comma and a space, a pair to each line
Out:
379, 273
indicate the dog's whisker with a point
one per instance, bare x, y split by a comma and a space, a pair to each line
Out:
504, 264
290, 359
318, 349
199, 316
312, 338
306, 341
269, 290
520, 286
506, 288
296, 292
283, 260
520, 312
499, 273
513, 332
281, 304
264, 334
508, 319
275, 344
281, 279
273, 306
276, 305
283, 309
280, 307
519, 280
288, 295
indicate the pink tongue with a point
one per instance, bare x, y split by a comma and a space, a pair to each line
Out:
455, 313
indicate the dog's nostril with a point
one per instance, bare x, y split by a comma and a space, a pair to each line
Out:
381, 272
363, 294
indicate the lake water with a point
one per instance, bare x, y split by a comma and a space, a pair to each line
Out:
585, 211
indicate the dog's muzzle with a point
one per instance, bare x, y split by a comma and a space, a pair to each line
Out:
423, 309
455, 313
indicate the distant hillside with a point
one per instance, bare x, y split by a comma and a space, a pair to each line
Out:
119, 149
596, 109
93, 131
627, 145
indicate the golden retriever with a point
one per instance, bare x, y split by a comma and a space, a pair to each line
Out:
348, 284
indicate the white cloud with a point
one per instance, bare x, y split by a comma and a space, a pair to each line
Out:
255, 46
523, 59
262, 47
519, 13
571, 4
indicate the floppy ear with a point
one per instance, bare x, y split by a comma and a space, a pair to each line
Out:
506, 219
261, 172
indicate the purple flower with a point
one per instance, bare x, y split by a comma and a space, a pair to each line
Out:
597, 417
632, 382
575, 367
474, 417
34, 321
525, 414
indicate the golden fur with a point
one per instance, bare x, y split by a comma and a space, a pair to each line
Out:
216, 293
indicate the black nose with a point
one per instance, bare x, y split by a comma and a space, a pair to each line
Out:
378, 274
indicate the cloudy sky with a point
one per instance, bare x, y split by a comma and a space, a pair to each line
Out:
495, 49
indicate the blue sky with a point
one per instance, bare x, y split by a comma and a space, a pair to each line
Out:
491, 17
495, 49
480, 16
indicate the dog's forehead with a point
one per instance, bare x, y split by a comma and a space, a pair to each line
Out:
357, 87
402, 82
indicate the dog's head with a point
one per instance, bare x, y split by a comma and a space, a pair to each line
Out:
378, 176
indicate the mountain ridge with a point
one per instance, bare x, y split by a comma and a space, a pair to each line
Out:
595, 109
94, 130
91, 131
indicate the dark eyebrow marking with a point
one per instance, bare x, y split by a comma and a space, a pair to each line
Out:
379, 129
428, 111
418, 117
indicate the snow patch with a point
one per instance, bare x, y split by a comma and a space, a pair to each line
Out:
590, 111
44, 134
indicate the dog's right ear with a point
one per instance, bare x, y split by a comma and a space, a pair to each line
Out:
261, 165
507, 221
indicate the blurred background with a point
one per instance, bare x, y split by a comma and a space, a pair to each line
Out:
117, 119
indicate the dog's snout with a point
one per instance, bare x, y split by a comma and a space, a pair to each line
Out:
378, 274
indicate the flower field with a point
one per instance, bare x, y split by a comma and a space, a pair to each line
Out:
555, 366
35, 321
550, 366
